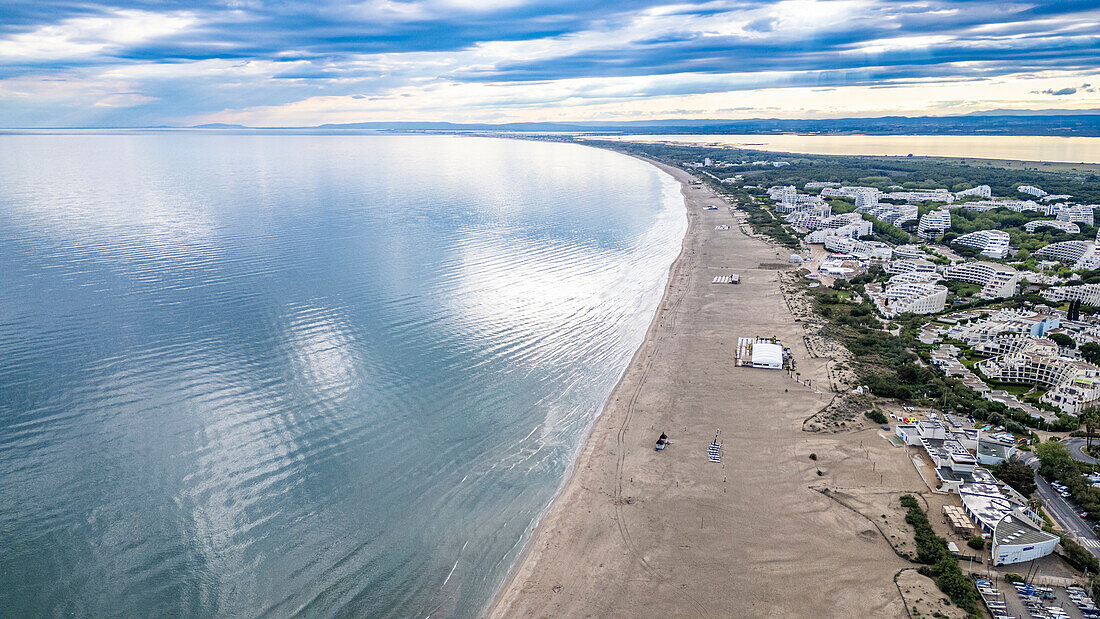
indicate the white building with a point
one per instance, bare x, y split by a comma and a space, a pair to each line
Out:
931, 195
982, 191
895, 267
850, 192
992, 243
1056, 198
852, 230
1082, 254
1031, 191
1080, 214
1019, 206
1017, 539
1071, 384
908, 251
783, 193
909, 293
1064, 226
891, 213
1088, 294
934, 223
863, 250
997, 280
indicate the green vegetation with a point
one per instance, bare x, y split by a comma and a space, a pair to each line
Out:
964, 221
1011, 578
976, 542
880, 172
887, 233
1017, 475
876, 416
1090, 352
1062, 340
932, 550
1077, 556
765, 222
899, 366
1056, 462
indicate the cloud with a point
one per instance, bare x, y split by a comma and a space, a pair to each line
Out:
178, 60
1057, 93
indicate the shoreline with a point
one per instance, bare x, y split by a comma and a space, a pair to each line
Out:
638, 532
525, 551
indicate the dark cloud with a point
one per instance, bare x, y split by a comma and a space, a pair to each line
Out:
1056, 93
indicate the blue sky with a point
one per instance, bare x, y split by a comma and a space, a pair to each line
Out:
289, 63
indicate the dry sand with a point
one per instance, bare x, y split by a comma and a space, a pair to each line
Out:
635, 532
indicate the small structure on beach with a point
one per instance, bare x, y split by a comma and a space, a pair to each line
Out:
767, 353
714, 450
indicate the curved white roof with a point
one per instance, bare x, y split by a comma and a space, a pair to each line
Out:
764, 353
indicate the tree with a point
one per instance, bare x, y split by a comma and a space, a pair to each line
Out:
1090, 352
1063, 340
1090, 419
1016, 474
1055, 460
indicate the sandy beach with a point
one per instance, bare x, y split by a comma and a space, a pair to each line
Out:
636, 532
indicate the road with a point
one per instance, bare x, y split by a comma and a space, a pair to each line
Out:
1077, 448
1063, 513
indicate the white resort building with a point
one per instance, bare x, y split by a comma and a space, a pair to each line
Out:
998, 281
1082, 254
931, 195
992, 243
896, 267
1071, 384
1087, 294
864, 250
908, 293
934, 223
1081, 214
852, 230
1064, 226
1031, 191
909, 251
982, 191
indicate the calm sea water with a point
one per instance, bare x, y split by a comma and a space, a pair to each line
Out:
314, 375
1015, 147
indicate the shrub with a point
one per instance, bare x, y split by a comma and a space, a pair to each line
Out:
932, 550
1078, 557
1011, 578
1016, 474
976, 542
876, 416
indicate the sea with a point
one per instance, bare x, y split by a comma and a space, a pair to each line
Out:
253, 375
1014, 147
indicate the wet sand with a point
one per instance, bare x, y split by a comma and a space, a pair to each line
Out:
636, 532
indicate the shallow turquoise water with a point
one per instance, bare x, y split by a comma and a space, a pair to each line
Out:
328, 375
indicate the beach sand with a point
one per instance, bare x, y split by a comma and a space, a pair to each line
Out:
635, 532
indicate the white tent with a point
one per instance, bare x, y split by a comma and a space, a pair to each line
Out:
766, 355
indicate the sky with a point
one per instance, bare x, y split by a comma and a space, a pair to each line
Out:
70, 63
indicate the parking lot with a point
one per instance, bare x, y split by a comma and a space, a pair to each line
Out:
1021, 601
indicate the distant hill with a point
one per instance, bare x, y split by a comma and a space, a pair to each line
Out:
1052, 123
219, 126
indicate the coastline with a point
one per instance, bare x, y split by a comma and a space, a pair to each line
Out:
525, 551
636, 532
